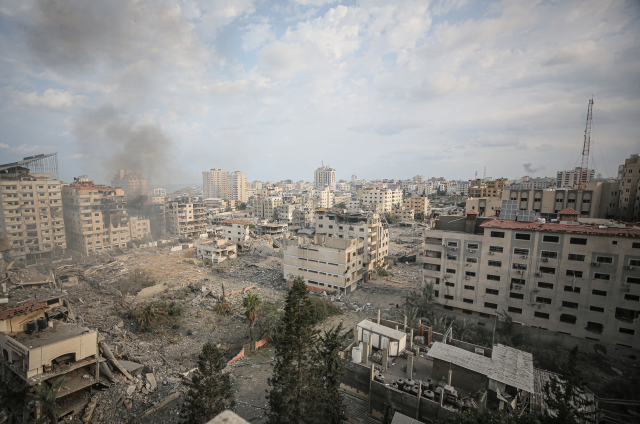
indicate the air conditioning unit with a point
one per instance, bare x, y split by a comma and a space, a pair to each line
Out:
538, 274
629, 267
466, 277
524, 256
491, 253
595, 263
472, 250
519, 271
544, 259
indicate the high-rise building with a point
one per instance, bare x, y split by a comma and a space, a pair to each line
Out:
224, 185
387, 199
325, 176
629, 175
571, 178
186, 218
132, 184
31, 213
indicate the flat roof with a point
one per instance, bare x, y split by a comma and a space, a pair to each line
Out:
507, 365
562, 228
381, 329
61, 331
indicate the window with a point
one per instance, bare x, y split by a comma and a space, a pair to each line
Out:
599, 292
572, 273
523, 236
497, 234
490, 305
636, 245
571, 305
632, 297
495, 263
452, 244
467, 300
436, 293
472, 260
514, 310
483, 315
551, 239
472, 246
451, 271
320, 225
493, 277
601, 276
517, 281
449, 284
572, 289
594, 327
626, 330
495, 249
492, 291
517, 251
541, 315
604, 259
448, 308
469, 288
470, 274
569, 319
633, 280
468, 312
634, 262
522, 267
448, 297
547, 270
545, 285
577, 240
431, 267
574, 257
519, 296
543, 300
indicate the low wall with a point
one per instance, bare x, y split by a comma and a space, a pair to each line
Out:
248, 348
403, 402
356, 379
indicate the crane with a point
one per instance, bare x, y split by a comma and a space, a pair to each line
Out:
584, 168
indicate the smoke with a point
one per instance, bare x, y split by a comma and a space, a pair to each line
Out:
120, 142
530, 170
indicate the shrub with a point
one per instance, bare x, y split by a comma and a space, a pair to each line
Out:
322, 309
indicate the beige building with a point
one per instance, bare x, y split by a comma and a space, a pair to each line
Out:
418, 204
580, 280
327, 264
351, 225
267, 207
571, 178
31, 212
489, 189
161, 192
285, 212
236, 231
325, 176
186, 218
407, 214
94, 217
132, 184
629, 175
326, 198
225, 185
139, 226
217, 251
387, 198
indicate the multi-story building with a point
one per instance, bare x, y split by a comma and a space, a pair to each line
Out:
303, 216
236, 231
418, 204
95, 217
160, 192
387, 198
327, 264
629, 175
225, 185
408, 214
459, 187
139, 226
186, 218
131, 183
267, 207
284, 213
528, 183
418, 178
31, 213
326, 197
571, 178
325, 176
490, 188
580, 280
367, 226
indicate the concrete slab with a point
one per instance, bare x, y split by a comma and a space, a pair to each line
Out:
133, 368
151, 291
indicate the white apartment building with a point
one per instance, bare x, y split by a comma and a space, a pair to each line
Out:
217, 183
535, 183
284, 213
418, 178
389, 199
236, 231
571, 178
459, 187
325, 196
186, 218
267, 207
325, 176
579, 280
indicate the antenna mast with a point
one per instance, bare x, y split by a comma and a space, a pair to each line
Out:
584, 168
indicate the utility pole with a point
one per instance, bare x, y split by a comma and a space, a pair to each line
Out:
584, 168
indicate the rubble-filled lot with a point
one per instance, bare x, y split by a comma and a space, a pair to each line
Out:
169, 351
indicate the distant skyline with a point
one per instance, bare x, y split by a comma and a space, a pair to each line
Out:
273, 88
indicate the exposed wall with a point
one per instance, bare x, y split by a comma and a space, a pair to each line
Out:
357, 378
460, 377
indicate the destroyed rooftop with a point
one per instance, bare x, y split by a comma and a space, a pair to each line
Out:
40, 295
59, 332
11, 310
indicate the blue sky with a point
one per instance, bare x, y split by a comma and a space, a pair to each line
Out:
377, 88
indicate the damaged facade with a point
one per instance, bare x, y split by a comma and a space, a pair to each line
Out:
186, 218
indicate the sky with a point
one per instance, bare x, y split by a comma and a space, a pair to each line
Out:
380, 89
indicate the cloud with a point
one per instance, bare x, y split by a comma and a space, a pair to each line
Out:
79, 156
25, 148
531, 170
52, 99
388, 127
257, 36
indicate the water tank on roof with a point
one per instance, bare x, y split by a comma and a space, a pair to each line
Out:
42, 323
356, 355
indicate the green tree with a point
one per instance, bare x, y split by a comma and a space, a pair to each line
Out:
340, 205
331, 370
241, 206
294, 395
45, 397
491, 417
389, 410
419, 217
269, 321
210, 390
423, 301
564, 395
254, 306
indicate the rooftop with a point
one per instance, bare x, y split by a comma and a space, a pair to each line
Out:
236, 221
569, 211
11, 310
562, 228
50, 335
507, 365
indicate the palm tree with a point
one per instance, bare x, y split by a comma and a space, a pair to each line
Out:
462, 327
252, 302
409, 312
45, 397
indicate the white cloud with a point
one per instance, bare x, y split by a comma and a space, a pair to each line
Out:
79, 156
25, 148
52, 99
257, 36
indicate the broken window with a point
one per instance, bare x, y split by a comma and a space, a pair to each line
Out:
594, 327
626, 315
569, 319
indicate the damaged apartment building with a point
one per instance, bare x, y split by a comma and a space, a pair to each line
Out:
95, 217
31, 212
367, 226
575, 279
186, 217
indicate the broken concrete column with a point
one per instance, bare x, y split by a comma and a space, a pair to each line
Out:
365, 353
417, 351
370, 343
385, 358
107, 354
405, 323
378, 316
355, 335
411, 340
104, 369
410, 367
449, 378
